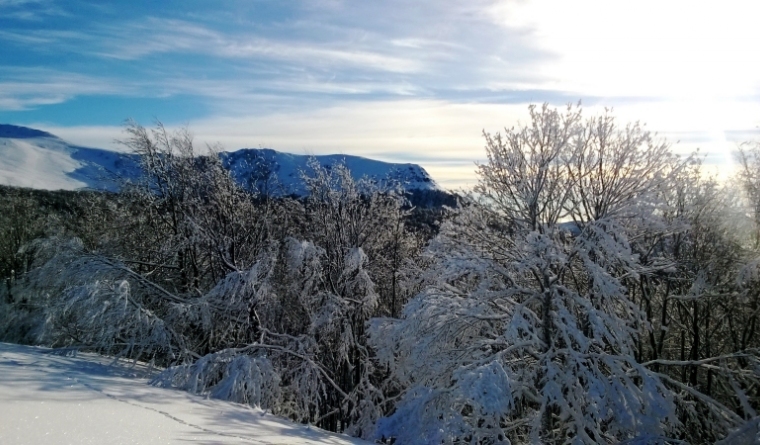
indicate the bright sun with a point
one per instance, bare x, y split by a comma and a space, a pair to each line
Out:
689, 67
673, 49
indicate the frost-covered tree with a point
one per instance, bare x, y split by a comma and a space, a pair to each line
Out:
526, 177
358, 246
196, 223
528, 331
297, 315
748, 156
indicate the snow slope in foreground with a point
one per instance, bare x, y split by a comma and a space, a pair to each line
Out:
50, 399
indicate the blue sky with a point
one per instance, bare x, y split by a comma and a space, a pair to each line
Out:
394, 80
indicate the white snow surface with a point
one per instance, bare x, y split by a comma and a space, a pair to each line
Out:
287, 168
53, 399
40, 162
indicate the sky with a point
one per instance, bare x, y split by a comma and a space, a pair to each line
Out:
395, 80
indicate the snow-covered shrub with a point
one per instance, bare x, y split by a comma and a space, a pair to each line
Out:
87, 301
534, 342
106, 317
234, 375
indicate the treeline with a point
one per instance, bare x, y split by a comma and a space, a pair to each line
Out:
594, 288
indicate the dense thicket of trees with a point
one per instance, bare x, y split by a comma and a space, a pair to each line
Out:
571, 299
594, 288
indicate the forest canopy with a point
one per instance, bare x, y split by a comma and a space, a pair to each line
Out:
594, 287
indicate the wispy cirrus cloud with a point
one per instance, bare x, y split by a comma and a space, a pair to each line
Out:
419, 43
53, 39
31, 10
162, 36
333, 51
24, 88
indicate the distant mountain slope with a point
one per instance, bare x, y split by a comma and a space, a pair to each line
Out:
251, 167
37, 159
15, 132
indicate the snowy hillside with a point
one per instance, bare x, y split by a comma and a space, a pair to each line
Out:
249, 165
50, 399
36, 159
30, 158
40, 160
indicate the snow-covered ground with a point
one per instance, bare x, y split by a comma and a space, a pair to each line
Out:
52, 399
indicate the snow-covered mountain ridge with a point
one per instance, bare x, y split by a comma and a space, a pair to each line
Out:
37, 159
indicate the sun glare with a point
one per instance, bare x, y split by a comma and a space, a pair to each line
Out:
674, 49
683, 67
